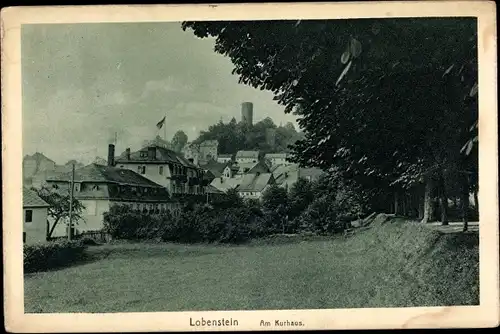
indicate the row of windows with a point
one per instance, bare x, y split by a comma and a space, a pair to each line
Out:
77, 187
190, 189
177, 170
149, 207
250, 193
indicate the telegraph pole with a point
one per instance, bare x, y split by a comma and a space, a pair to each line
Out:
72, 188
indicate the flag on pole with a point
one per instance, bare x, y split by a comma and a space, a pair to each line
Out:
159, 125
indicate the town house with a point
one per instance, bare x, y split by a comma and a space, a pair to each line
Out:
35, 212
253, 186
164, 167
100, 187
274, 159
247, 157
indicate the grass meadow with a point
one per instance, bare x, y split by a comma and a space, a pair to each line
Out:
391, 265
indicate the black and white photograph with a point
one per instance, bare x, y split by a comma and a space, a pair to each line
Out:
281, 164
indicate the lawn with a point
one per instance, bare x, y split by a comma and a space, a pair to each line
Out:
389, 266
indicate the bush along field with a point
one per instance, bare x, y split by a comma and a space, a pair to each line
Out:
54, 254
231, 219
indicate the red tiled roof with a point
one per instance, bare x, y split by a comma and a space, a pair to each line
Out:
32, 200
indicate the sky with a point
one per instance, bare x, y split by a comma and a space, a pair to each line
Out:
82, 83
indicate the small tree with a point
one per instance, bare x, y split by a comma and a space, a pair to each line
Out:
275, 206
301, 195
59, 206
273, 197
179, 140
231, 199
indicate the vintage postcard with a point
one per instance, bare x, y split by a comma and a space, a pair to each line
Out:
247, 167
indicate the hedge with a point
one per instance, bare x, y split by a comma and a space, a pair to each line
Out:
202, 223
53, 254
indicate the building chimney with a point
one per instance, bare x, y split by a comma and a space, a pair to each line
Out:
127, 153
111, 155
247, 113
151, 153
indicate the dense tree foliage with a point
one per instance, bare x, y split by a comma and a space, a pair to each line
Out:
179, 140
264, 136
390, 103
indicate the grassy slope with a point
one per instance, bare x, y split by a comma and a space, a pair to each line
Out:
389, 265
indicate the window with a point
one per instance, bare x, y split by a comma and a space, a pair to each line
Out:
141, 169
95, 187
24, 237
161, 170
144, 154
77, 187
28, 216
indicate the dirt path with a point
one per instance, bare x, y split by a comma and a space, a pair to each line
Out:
454, 227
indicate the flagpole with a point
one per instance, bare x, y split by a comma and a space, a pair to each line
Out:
165, 128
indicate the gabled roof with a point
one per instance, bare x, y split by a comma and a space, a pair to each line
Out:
276, 155
252, 167
283, 173
163, 155
247, 154
255, 182
215, 167
32, 200
105, 174
224, 184
212, 190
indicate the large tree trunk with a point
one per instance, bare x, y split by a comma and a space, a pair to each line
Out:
420, 204
397, 204
476, 201
428, 201
47, 230
465, 202
443, 201
53, 227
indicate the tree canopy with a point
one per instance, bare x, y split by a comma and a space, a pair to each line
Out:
264, 136
179, 140
387, 100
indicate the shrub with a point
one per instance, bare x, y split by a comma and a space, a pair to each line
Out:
121, 222
41, 257
320, 217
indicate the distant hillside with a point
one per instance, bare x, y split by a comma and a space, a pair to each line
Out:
37, 168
